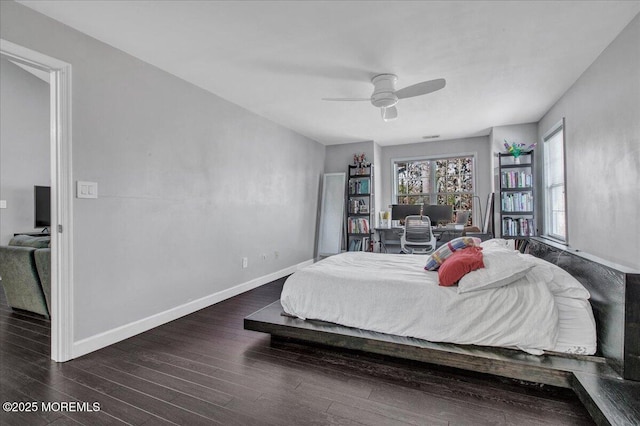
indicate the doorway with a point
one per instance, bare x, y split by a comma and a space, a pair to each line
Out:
61, 192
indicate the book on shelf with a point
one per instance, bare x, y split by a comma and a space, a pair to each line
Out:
518, 227
358, 206
359, 186
517, 202
364, 186
358, 225
359, 244
516, 179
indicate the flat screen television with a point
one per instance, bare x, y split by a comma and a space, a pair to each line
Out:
42, 206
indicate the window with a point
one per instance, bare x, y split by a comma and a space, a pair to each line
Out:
447, 181
555, 220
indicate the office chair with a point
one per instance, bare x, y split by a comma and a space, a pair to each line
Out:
418, 237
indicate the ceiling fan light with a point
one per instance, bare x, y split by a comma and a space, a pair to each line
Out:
389, 114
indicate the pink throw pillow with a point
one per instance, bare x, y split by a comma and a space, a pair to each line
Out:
459, 264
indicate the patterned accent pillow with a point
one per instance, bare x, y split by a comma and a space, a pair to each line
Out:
436, 258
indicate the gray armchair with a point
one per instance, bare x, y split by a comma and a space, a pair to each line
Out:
21, 281
25, 274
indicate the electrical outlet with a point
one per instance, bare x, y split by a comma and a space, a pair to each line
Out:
245, 262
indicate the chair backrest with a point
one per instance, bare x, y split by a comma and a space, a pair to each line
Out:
417, 229
462, 217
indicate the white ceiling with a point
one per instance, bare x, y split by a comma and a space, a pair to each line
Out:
504, 62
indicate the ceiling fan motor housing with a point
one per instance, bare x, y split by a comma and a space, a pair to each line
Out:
384, 90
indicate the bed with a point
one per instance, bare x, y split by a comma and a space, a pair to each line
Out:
393, 294
602, 380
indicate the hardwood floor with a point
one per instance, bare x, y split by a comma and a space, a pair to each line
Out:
206, 369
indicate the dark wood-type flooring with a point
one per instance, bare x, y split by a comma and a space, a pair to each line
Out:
206, 369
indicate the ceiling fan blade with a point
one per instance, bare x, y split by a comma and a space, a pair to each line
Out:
389, 114
421, 88
346, 99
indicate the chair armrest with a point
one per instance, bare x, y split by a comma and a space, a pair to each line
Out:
43, 265
20, 279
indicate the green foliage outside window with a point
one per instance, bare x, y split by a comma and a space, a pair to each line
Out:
442, 181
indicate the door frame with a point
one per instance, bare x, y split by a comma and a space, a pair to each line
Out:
61, 194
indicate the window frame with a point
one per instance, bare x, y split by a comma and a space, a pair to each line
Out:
474, 161
546, 187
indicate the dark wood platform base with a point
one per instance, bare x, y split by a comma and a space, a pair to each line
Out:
609, 399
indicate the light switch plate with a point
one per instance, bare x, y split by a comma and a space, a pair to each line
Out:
3, 204
86, 189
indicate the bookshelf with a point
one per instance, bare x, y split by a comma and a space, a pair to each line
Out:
517, 196
360, 206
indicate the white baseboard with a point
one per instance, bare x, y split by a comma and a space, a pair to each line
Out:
118, 334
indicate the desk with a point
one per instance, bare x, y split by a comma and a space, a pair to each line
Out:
447, 233
390, 237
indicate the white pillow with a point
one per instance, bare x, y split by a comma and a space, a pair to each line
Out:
501, 267
497, 243
565, 285
562, 284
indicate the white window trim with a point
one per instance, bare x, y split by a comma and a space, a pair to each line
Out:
559, 126
474, 155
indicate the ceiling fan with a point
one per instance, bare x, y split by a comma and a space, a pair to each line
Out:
385, 96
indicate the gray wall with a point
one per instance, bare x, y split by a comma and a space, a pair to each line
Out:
24, 146
602, 134
338, 157
188, 183
478, 145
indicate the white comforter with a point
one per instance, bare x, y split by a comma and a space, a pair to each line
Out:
393, 294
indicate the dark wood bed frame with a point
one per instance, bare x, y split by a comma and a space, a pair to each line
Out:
608, 383
615, 299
